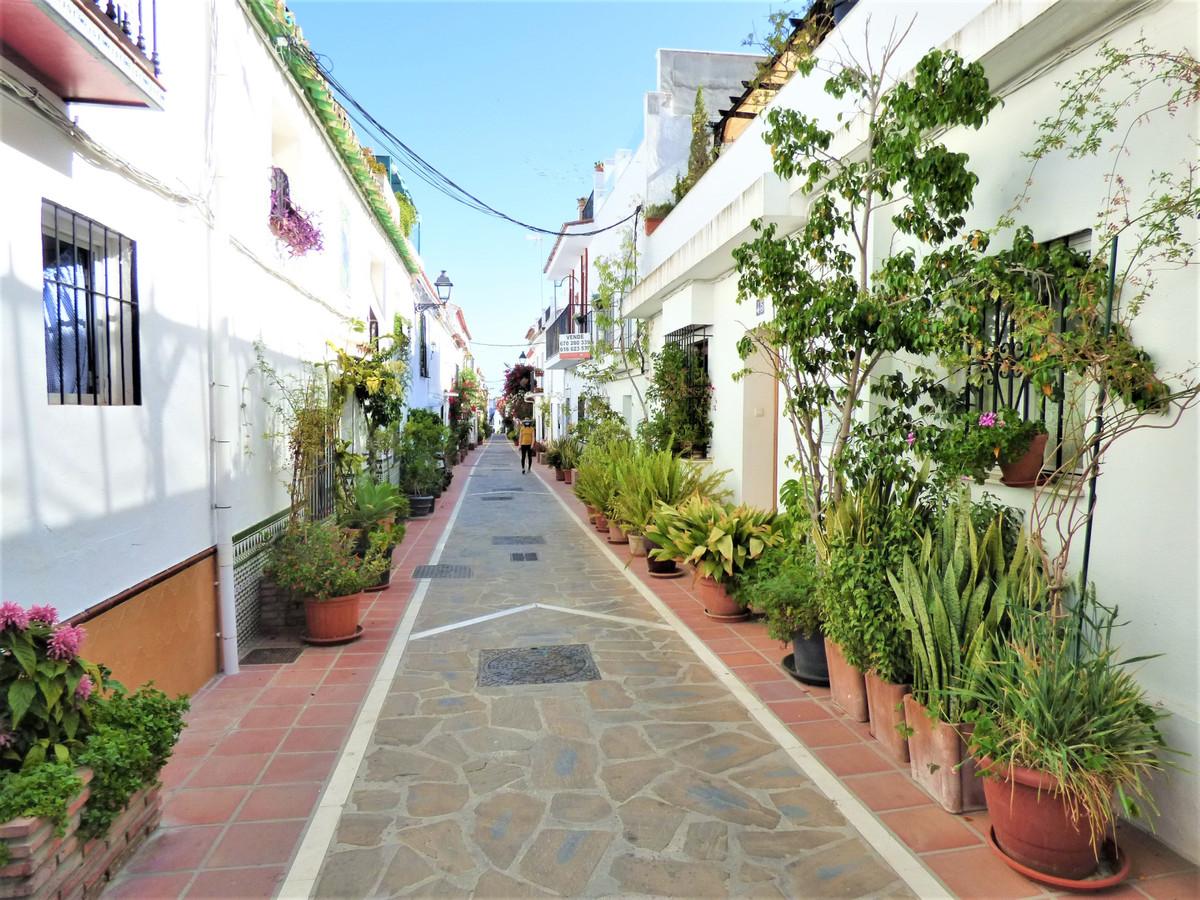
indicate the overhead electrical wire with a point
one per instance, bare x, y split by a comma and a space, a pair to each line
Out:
414, 162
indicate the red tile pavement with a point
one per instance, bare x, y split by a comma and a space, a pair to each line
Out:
953, 847
260, 747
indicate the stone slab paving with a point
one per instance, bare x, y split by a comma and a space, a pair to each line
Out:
653, 780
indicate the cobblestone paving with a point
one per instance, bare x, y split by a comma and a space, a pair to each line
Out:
650, 781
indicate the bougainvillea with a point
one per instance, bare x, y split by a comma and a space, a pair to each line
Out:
292, 225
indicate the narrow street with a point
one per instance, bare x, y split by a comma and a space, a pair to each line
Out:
651, 779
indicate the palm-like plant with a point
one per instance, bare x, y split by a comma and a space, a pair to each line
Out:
718, 540
646, 478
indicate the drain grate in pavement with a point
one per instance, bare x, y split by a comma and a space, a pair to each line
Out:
496, 497
518, 539
537, 665
264, 656
523, 557
442, 570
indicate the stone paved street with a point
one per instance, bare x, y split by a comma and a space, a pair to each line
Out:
653, 779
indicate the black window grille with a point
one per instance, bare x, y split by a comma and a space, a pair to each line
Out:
90, 311
999, 387
372, 328
423, 351
693, 342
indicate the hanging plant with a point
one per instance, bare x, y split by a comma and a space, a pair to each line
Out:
294, 227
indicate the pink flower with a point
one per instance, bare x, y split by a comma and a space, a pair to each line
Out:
48, 615
912, 438
13, 615
6, 739
64, 643
85, 687
987, 419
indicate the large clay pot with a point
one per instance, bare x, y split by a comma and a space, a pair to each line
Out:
847, 687
717, 602
568, 475
939, 761
885, 712
601, 523
808, 658
333, 620
591, 513
559, 475
615, 534
1033, 825
1024, 471
637, 546
657, 566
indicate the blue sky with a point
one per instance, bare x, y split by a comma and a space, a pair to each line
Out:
515, 102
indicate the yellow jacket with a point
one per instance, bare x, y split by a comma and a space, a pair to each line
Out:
526, 438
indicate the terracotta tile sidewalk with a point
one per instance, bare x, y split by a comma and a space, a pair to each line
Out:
953, 847
260, 747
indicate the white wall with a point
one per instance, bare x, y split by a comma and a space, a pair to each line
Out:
97, 499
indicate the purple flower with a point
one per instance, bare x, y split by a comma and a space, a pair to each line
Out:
6, 739
64, 643
47, 615
13, 615
85, 687
911, 438
987, 419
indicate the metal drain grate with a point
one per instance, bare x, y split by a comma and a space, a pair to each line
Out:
271, 656
442, 570
523, 557
518, 539
496, 497
537, 665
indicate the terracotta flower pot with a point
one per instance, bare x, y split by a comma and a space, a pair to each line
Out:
651, 225
1033, 825
717, 602
847, 687
591, 514
637, 546
559, 475
885, 713
568, 475
615, 534
1024, 471
335, 619
939, 761
601, 522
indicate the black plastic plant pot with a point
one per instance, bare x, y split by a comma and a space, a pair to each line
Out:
658, 566
420, 505
808, 658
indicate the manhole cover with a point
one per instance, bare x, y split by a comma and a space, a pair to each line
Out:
518, 539
442, 570
523, 557
537, 665
271, 656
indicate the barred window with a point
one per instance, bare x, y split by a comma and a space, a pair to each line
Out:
372, 328
424, 349
692, 344
1002, 389
90, 311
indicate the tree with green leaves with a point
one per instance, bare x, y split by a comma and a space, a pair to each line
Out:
836, 318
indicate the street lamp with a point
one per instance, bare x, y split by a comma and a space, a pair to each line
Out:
522, 356
444, 285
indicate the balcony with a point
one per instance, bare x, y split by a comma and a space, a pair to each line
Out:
87, 51
567, 342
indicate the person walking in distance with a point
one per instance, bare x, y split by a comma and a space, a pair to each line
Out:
525, 441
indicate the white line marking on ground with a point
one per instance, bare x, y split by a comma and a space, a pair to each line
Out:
910, 869
624, 620
454, 626
306, 867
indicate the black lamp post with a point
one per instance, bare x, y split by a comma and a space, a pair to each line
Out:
444, 285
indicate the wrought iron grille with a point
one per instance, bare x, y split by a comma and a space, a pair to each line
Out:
137, 26
693, 341
90, 311
251, 549
423, 352
997, 386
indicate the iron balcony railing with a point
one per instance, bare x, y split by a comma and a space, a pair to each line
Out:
134, 23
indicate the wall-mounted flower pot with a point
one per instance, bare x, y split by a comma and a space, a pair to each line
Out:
663, 568
1032, 823
333, 621
847, 687
1024, 471
420, 505
559, 474
717, 602
568, 475
808, 658
637, 545
601, 523
939, 761
615, 534
885, 713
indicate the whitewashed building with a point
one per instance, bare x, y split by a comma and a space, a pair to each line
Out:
1147, 525
140, 284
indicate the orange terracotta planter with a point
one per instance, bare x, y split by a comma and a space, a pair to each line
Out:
1024, 472
717, 602
885, 712
939, 761
847, 687
333, 620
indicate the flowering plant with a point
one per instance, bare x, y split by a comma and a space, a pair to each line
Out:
292, 225
49, 691
972, 444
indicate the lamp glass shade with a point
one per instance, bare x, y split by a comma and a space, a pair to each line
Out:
443, 285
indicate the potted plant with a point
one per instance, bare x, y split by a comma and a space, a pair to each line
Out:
655, 213
569, 451
554, 460
1061, 725
784, 584
373, 503
953, 595
316, 561
973, 444
718, 542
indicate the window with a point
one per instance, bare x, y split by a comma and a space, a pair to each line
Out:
372, 328
686, 350
1003, 389
90, 311
423, 349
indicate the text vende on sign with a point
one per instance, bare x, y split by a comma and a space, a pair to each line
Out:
575, 346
